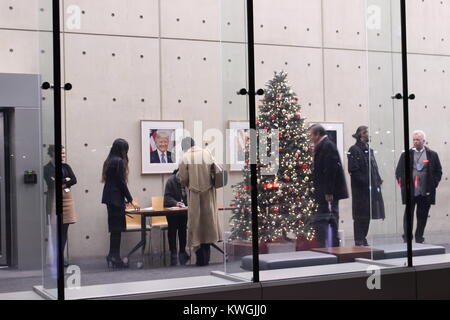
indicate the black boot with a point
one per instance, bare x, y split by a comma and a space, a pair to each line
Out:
183, 258
173, 259
200, 261
207, 251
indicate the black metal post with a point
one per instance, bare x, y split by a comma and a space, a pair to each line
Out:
408, 173
58, 144
253, 139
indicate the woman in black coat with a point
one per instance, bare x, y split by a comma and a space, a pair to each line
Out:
366, 204
115, 196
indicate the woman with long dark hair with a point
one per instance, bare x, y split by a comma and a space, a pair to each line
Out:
116, 195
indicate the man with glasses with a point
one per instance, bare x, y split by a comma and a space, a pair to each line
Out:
426, 173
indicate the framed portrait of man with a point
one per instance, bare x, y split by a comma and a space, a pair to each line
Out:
161, 145
238, 136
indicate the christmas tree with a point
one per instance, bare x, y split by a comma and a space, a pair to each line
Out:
285, 190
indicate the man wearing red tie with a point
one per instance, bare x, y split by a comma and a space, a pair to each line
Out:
426, 173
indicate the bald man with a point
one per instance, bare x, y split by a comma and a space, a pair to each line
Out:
426, 173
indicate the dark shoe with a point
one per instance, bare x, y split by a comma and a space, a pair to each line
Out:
66, 263
173, 259
404, 238
420, 240
115, 262
365, 243
184, 258
359, 243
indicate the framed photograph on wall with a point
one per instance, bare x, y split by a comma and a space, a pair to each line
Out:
238, 135
335, 132
161, 145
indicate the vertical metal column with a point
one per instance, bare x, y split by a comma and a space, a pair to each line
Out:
58, 144
408, 174
253, 139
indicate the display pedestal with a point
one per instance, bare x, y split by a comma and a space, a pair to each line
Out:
281, 246
304, 245
240, 248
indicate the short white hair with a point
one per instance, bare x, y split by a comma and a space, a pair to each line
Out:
420, 133
163, 134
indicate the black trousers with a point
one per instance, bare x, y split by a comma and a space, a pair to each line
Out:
360, 230
116, 224
114, 244
423, 208
177, 223
323, 221
65, 231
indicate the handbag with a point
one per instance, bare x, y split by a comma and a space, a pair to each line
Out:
219, 176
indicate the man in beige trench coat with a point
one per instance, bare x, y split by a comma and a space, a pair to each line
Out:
204, 227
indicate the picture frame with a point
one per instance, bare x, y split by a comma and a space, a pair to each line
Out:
238, 133
335, 132
161, 145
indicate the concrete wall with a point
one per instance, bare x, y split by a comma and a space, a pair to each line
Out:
163, 60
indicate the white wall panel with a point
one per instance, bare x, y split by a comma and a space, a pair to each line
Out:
26, 14
191, 19
19, 51
290, 22
137, 17
233, 20
428, 26
344, 24
305, 74
191, 83
383, 26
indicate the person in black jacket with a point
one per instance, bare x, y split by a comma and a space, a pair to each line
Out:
329, 184
367, 199
426, 173
115, 196
175, 196
68, 181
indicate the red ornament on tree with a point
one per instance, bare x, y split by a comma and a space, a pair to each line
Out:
276, 210
297, 116
305, 166
273, 117
286, 178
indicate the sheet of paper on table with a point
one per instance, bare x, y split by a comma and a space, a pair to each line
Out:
142, 209
177, 208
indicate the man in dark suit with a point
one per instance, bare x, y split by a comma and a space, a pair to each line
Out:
161, 155
426, 173
329, 185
